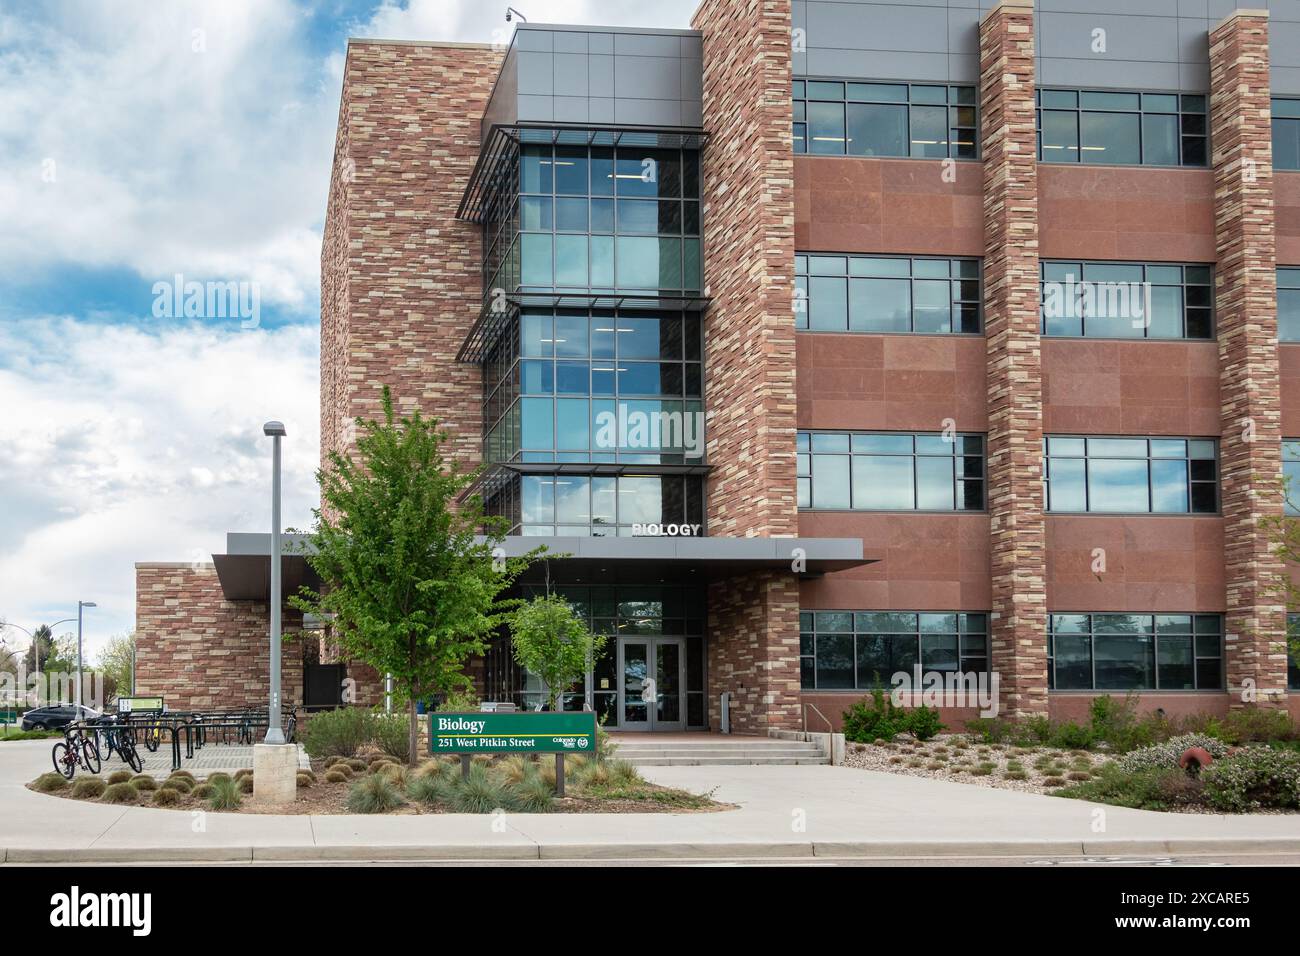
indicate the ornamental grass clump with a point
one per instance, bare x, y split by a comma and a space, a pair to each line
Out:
119, 776
121, 793
144, 783
50, 783
225, 794
166, 797
89, 788
480, 793
373, 793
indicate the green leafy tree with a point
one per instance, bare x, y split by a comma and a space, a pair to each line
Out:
116, 661
552, 641
39, 650
1283, 532
407, 584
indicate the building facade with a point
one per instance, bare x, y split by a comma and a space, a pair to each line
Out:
831, 341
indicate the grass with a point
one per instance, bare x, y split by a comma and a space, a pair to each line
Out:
50, 783
121, 793
374, 793
29, 735
89, 788
225, 793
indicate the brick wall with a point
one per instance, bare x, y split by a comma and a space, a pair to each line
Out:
753, 650
1018, 624
202, 652
748, 180
1245, 301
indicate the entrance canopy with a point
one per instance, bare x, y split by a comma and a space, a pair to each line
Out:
245, 569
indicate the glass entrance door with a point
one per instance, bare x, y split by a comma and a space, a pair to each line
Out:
652, 675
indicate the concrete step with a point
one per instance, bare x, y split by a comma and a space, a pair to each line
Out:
729, 761
719, 751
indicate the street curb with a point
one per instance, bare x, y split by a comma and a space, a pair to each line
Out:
651, 851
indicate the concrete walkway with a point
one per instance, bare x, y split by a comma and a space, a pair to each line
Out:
783, 812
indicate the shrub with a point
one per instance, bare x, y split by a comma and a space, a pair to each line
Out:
202, 792
339, 732
243, 772
309, 774
1016, 775
989, 730
183, 784
1071, 736
423, 788
1257, 778
1154, 789
218, 777
244, 783
1166, 755
121, 793
394, 773
332, 760
186, 774
340, 769
88, 788
119, 776
166, 797
373, 794
391, 734
1256, 725
513, 768
304, 780
225, 793
923, 722
624, 774
872, 717
357, 765
50, 782
1053, 782
458, 701
144, 783
336, 776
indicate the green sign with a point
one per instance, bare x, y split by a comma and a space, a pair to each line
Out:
8, 716
540, 733
132, 705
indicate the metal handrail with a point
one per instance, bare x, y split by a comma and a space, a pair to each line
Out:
830, 728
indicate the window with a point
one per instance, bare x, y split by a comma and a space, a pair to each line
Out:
1288, 304
1135, 652
1291, 474
890, 471
596, 506
1129, 300
1286, 133
1122, 128
1131, 475
886, 294
1292, 667
862, 650
596, 219
596, 386
835, 118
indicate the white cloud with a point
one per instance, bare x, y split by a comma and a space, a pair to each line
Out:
165, 137
119, 445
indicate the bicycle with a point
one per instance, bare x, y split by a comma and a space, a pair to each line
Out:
75, 750
118, 737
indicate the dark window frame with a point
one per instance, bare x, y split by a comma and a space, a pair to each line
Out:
1285, 114
1195, 631
969, 624
1088, 458
957, 277
1187, 136
805, 479
954, 100
1184, 284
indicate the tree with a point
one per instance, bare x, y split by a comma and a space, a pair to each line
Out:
552, 642
117, 662
40, 649
407, 586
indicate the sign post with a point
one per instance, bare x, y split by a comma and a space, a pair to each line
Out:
557, 733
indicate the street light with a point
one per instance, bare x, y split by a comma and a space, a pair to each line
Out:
80, 605
274, 734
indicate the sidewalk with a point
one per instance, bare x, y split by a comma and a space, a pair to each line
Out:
784, 812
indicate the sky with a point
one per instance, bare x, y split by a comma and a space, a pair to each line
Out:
149, 150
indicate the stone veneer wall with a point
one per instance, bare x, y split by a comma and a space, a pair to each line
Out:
1246, 315
748, 193
1018, 623
202, 652
399, 273
753, 651
748, 182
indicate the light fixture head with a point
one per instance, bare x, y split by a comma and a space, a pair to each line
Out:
274, 430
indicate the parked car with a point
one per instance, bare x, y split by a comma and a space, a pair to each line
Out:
55, 716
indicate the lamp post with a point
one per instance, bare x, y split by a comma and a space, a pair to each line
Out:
80, 606
274, 734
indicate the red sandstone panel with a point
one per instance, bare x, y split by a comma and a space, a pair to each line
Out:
1286, 205
1152, 563
1095, 212
891, 382
1103, 386
928, 562
905, 206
